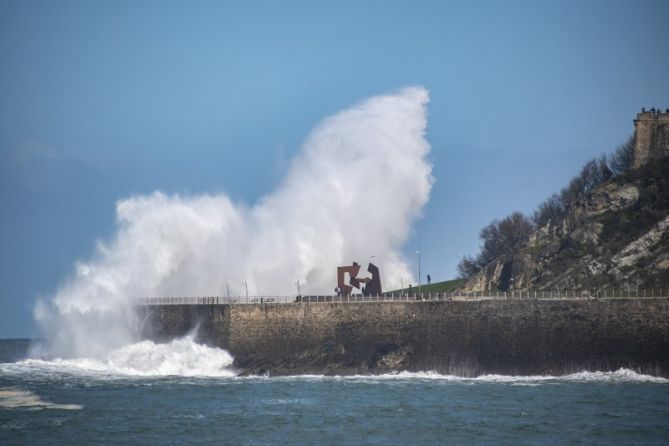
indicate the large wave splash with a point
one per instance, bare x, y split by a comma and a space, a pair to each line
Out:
353, 191
180, 357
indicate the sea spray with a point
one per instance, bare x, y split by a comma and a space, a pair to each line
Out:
355, 188
179, 357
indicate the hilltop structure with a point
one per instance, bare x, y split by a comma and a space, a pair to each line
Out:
651, 136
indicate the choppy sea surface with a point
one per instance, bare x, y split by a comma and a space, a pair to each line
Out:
182, 393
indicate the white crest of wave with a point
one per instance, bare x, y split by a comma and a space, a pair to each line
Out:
619, 376
353, 191
180, 357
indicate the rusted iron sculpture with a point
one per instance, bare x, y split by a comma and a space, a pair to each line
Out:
372, 285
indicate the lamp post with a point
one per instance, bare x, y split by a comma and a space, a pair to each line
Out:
418, 252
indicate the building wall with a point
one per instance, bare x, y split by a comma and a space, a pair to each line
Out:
651, 137
451, 337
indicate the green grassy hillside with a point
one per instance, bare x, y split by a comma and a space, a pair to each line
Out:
437, 287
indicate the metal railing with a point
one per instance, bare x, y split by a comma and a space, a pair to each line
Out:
414, 297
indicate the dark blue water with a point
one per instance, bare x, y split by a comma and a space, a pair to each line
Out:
46, 405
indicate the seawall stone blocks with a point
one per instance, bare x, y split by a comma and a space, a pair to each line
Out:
451, 337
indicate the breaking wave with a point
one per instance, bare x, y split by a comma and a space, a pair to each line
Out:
619, 376
185, 358
181, 357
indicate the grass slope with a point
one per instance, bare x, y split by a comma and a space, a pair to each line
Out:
438, 287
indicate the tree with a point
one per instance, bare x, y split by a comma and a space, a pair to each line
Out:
622, 160
500, 237
550, 209
467, 267
512, 231
603, 172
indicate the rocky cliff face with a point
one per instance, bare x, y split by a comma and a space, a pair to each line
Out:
615, 237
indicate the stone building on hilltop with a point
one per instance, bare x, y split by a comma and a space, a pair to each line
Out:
651, 136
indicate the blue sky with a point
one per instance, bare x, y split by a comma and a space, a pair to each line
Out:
103, 100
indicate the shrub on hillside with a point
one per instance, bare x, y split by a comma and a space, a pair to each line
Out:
467, 267
622, 159
592, 174
498, 238
549, 210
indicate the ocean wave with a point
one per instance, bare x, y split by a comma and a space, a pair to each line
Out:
185, 358
181, 357
619, 376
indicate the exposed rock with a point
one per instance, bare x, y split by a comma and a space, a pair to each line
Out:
544, 235
390, 358
596, 267
642, 246
607, 198
588, 233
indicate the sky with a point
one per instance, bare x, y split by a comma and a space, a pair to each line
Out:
101, 101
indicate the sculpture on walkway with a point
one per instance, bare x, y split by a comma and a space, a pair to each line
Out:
372, 285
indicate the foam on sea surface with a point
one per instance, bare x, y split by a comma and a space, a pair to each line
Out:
181, 357
17, 398
621, 375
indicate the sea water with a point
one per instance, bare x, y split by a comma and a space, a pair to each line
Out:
182, 393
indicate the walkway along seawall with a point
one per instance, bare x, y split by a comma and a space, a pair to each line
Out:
466, 338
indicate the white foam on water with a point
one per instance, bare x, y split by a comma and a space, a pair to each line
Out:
16, 398
181, 357
185, 358
619, 376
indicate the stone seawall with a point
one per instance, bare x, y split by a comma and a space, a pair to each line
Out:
451, 337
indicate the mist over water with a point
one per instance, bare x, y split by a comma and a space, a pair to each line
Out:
354, 190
